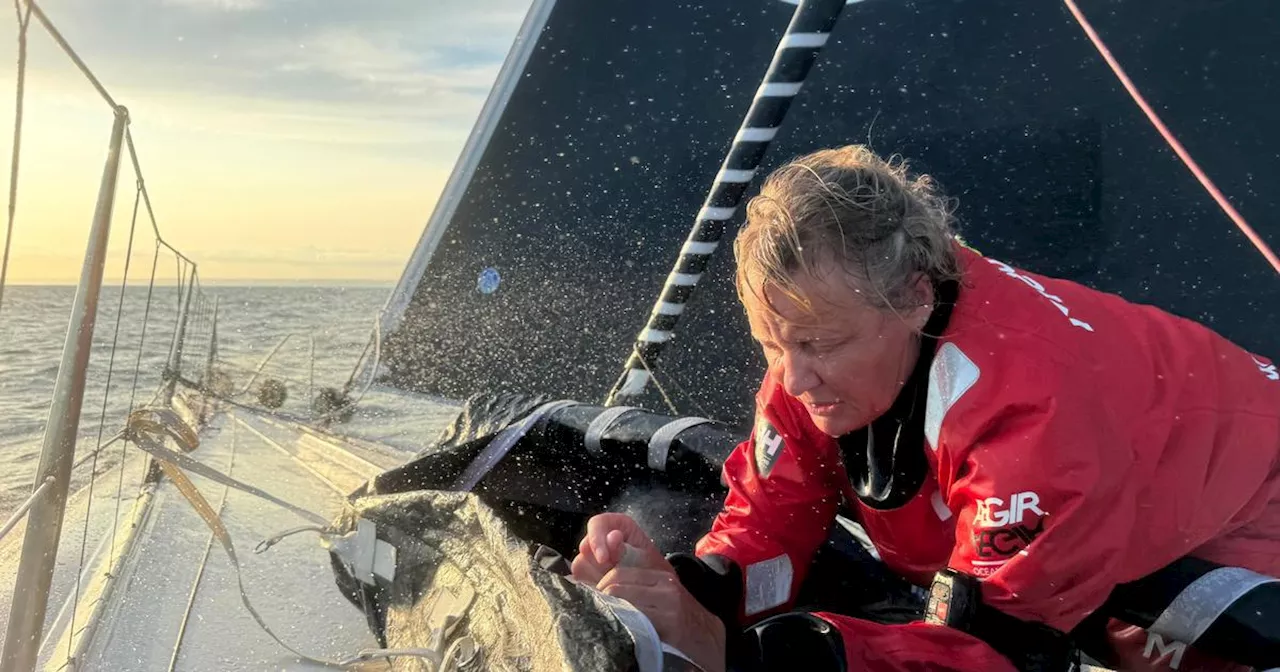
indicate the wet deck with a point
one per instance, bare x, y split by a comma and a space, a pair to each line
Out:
177, 606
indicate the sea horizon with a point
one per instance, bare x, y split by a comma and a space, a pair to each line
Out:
214, 282
252, 323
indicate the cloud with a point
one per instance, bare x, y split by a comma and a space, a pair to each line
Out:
409, 59
371, 266
307, 254
398, 79
271, 121
217, 5
381, 63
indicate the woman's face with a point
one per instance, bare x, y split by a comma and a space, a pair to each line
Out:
843, 358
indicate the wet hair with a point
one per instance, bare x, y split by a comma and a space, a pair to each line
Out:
879, 222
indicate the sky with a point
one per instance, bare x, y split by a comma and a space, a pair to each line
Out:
280, 140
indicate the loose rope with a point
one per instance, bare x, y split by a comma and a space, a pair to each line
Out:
1168, 136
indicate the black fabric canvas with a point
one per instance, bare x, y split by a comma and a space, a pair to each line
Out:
510, 539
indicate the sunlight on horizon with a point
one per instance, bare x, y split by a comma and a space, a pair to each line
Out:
280, 141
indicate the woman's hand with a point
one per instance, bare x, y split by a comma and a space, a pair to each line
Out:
679, 618
606, 543
621, 560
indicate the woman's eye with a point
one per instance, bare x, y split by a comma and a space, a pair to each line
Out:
824, 347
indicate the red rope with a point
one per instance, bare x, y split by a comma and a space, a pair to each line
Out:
1173, 142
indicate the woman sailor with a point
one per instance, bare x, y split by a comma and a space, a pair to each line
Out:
1018, 444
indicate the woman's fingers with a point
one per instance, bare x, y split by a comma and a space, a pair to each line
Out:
657, 594
636, 576
585, 568
652, 603
676, 615
614, 541
607, 533
603, 526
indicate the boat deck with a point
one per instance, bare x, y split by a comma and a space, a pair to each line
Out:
176, 605
93, 519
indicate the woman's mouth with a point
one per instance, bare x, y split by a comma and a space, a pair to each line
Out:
822, 408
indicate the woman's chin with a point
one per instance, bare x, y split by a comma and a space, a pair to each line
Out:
836, 424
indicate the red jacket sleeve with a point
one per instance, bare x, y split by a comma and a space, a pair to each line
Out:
1045, 511
913, 647
1042, 517
783, 496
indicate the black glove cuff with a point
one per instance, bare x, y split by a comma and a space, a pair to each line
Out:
715, 581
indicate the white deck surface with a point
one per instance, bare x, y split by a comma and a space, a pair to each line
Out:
148, 625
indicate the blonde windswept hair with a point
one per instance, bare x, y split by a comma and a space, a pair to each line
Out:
880, 223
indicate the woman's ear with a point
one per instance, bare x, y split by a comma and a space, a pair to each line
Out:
922, 288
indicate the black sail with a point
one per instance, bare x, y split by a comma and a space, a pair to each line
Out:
542, 264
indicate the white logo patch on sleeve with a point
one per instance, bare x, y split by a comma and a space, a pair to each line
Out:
768, 584
768, 444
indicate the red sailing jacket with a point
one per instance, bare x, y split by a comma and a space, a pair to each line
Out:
1074, 441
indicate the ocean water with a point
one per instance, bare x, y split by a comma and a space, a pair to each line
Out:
251, 321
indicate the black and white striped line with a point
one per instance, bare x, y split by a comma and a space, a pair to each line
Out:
797, 51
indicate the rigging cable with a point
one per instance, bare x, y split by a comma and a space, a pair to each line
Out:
665, 397
133, 392
1173, 141
24, 20
373, 368
71, 53
102, 423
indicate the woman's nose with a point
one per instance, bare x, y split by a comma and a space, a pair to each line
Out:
798, 376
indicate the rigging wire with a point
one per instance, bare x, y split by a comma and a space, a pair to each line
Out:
133, 392
71, 53
665, 397
177, 316
102, 421
373, 366
24, 20
1177, 147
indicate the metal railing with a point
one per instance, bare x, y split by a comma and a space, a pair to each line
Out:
45, 510
20, 512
